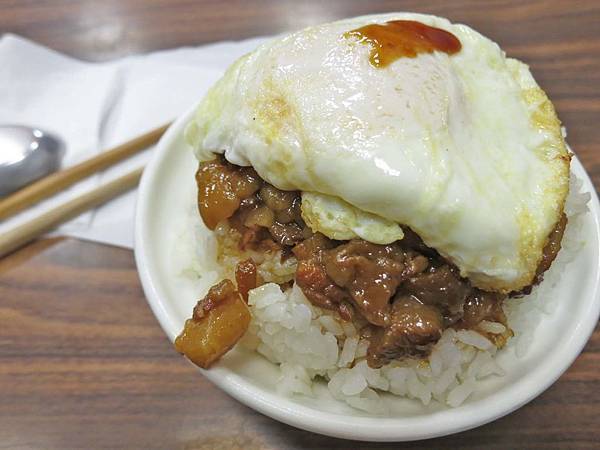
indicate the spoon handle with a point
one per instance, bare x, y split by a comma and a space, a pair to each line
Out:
28, 231
58, 181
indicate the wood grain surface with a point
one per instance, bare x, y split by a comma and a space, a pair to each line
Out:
83, 362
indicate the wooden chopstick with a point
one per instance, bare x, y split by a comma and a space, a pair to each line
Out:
27, 232
58, 181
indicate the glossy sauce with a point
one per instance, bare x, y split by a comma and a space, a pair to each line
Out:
404, 38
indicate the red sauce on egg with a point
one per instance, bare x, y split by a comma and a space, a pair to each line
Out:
404, 38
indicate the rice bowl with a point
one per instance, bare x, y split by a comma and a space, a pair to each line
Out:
387, 217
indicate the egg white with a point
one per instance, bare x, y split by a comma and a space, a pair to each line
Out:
339, 220
465, 149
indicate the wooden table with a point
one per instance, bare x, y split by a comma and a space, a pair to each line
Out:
84, 364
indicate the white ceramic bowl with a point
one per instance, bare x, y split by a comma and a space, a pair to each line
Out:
165, 205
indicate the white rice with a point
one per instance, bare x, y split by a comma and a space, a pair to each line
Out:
308, 342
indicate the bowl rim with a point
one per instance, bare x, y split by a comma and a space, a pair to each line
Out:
364, 428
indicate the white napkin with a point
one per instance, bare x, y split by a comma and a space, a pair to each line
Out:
96, 106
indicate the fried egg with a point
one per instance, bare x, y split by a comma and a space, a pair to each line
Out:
463, 148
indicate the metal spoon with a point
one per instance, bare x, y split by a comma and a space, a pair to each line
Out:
26, 154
